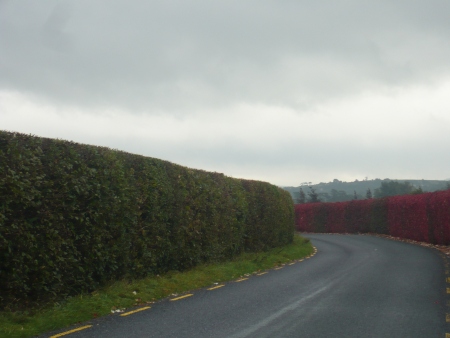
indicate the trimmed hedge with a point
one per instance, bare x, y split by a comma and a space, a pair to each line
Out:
422, 217
74, 217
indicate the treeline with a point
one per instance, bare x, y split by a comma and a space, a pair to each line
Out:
74, 217
338, 191
386, 189
421, 217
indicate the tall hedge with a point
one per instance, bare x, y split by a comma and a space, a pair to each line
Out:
422, 217
73, 217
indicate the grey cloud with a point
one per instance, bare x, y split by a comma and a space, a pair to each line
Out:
176, 56
290, 164
53, 34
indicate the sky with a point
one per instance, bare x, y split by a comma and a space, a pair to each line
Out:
279, 91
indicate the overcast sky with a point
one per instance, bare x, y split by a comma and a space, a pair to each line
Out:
284, 91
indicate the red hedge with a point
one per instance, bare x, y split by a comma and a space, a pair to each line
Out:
336, 217
438, 212
422, 217
304, 216
407, 217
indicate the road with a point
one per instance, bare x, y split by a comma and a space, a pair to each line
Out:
354, 286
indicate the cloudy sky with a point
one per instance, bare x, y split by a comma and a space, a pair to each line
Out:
281, 91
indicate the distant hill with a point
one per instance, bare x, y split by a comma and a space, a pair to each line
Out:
336, 190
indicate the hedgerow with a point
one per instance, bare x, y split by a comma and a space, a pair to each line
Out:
421, 217
74, 217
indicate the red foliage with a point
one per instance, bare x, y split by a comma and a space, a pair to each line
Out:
358, 216
365, 215
336, 217
438, 211
304, 217
422, 217
407, 217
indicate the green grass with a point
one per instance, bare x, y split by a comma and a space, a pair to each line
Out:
126, 294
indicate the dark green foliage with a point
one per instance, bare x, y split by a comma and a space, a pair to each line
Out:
393, 188
338, 196
417, 191
321, 217
378, 216
267, 205
301, 196
313, 196
74, 217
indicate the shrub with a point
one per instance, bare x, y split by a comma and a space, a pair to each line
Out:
74, 217
420, 217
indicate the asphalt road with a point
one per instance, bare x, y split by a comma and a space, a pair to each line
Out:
355, 286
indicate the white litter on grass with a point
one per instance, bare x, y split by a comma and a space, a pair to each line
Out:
117, 311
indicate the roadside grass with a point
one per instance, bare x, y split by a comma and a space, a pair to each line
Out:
125, 294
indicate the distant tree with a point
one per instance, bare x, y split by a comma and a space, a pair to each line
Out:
416, 191
301, 196
324, 197
313, 195
368, 194
393, 188
339, 196
334, 196
355, 197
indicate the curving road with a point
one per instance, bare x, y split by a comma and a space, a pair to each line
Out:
355, 286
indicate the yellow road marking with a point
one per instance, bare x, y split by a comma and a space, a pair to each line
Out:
301, 260
448, 290
262, 273
134, 311
71, 331
446, 272
292, 263
216, 287
447, 318
447, 335
181, 297
280, 267
241, 280
448, 279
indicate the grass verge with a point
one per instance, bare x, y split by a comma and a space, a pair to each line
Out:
126, 294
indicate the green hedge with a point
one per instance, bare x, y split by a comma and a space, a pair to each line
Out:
74, 217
